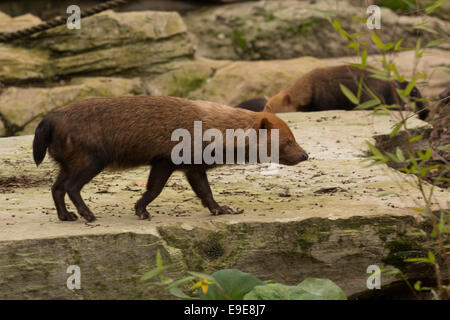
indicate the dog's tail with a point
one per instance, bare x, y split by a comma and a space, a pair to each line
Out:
42, 139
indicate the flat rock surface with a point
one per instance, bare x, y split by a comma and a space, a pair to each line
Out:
332, 190
335, 141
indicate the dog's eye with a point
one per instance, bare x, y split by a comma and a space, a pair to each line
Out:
288, 142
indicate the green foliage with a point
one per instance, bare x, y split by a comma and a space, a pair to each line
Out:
411, 6
230, 284
184, 85
233, 284
324, 288
240, 40
277, 291
410, 159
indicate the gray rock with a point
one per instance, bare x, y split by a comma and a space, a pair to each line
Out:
23, 108
289, 29
315, 219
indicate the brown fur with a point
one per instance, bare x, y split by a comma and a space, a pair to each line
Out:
319, 90
88, 136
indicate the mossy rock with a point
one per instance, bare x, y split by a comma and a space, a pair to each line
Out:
288, 29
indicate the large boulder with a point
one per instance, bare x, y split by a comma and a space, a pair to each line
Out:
111, 43
108, 43
289, 29
325, 218
22, 108
19, 64
11, 24
242, 80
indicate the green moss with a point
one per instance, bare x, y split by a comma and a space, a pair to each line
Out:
400, 249
184, 85
313, 233
240, 40
303, 29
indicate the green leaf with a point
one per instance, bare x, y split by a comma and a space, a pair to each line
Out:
399, 154
154, 272
434, 43
349, 94
377, 153
418, 53
422, 26
434, 6
202, 276
279, 291
417, 260
425, 156
418, 285
364, 58
397, 127
413, 139
324, 288
159, 262
380, 44
445, 69
444, 147
232, 284
180, 282
431, 257
180, 294
368, 104
398, 44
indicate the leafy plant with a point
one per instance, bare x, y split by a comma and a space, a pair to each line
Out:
233, 284
412, 161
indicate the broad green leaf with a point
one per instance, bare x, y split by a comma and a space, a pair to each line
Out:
324, 288
350, 96
235, 284
180, 294
279, 291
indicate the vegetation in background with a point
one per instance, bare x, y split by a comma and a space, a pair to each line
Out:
232, 284
410, 160
408, 6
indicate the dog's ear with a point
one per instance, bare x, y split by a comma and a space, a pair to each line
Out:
262, 123
287, 99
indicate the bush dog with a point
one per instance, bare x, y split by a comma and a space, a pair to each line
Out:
256, 104
319, 90
86, 137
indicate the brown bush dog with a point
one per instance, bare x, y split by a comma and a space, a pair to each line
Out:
319, 90
88, 136
256, 104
